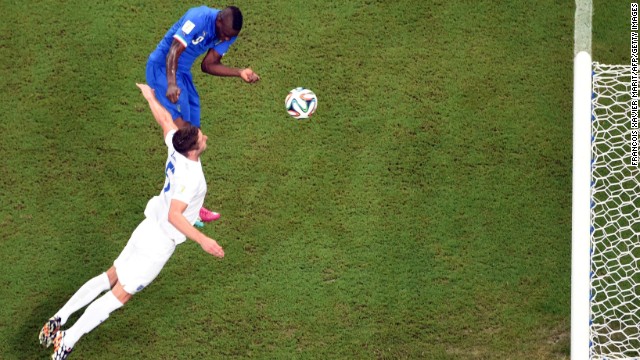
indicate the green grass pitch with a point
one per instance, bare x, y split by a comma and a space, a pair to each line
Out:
423, 212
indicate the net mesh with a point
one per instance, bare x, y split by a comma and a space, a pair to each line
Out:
615, 219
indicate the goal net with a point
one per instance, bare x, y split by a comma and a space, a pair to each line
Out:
615, 216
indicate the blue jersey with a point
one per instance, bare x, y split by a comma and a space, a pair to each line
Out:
196, 31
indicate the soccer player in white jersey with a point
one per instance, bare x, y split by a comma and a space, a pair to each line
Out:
169, 219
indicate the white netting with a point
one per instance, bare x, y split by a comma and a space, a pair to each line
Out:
615, 219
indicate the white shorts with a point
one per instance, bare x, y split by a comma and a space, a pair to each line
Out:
143, 257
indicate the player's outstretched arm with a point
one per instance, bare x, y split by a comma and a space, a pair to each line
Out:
177, 219
211, 65
162, 116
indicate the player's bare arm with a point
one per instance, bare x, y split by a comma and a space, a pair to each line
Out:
177, 219
173, 91
211, 64
162, 116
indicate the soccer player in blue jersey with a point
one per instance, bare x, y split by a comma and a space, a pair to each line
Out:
201, 30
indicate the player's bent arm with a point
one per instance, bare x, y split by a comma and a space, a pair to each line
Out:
211, 65
177, 219
162, 116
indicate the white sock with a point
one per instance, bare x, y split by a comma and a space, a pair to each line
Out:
95, 314
89, 291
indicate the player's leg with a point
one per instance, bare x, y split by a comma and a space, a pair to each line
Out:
108, 279
136, 267
86, 294
95, 315
113, 276
192, 101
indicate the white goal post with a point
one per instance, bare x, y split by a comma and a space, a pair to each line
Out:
581, 208
605, 284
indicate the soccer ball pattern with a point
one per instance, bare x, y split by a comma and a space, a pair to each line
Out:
301, 103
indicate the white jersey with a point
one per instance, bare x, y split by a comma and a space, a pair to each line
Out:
184, 182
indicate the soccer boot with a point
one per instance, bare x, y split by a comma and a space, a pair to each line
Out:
207, 215
49, 331
60, 350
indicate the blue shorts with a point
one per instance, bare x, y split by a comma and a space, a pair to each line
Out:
188, 106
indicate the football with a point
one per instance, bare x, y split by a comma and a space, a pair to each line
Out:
301, 103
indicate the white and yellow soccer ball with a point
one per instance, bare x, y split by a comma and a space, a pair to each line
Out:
301, 103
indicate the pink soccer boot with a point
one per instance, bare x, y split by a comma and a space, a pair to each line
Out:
208, 215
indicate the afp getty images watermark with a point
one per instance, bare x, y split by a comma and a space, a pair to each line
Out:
634, 84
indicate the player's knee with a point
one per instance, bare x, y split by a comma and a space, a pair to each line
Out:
121, 294
113, 276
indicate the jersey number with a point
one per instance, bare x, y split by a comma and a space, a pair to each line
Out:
169, 171
198, 40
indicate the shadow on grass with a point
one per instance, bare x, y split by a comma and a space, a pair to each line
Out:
24, 344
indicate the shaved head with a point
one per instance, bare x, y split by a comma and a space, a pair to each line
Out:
232, 17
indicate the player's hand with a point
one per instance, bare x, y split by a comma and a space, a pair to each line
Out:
146, 90
212, 247
249, 76
173, 93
